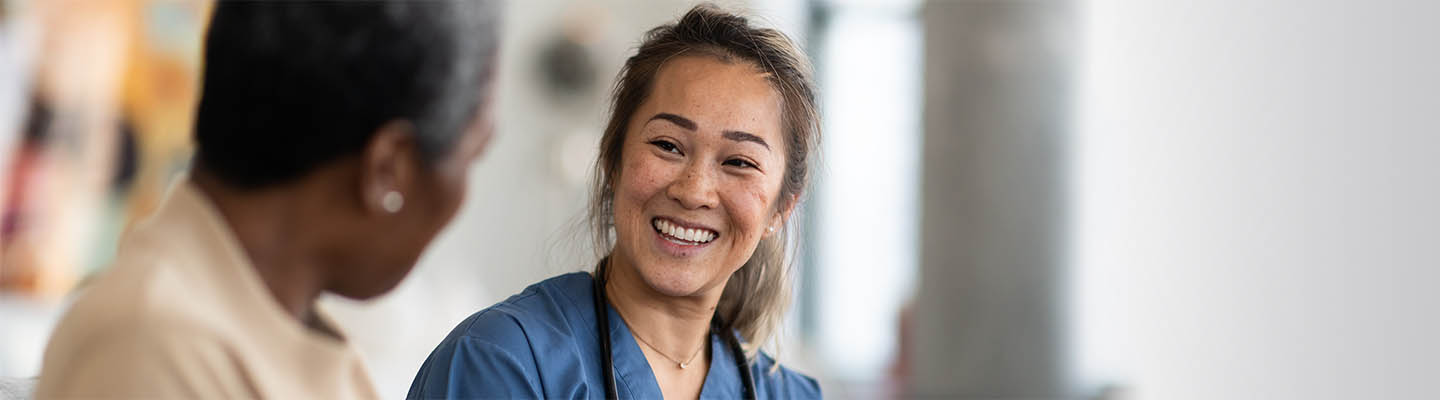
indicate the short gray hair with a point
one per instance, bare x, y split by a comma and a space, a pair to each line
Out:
289, 86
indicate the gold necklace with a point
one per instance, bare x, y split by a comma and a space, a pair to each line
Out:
683, 364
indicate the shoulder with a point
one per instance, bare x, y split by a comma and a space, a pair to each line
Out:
545, 307
500, 351
782, 382
140, 300
150, 354
143, 320
136, 300
131, 312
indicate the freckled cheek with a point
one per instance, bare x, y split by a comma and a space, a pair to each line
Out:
746, 207
641, 179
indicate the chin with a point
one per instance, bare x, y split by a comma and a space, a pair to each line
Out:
366, 292
675, 279
370, 286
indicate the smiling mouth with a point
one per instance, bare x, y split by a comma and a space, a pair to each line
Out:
683, 236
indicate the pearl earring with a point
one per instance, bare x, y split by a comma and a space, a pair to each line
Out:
392, 201
771, 228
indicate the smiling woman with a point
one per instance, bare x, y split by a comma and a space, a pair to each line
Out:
703, 161
694, 174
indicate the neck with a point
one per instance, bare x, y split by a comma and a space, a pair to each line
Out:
675, 326
269, 223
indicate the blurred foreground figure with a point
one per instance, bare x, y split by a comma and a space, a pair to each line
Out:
333, 143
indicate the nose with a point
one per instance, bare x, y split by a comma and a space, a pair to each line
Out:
694, 189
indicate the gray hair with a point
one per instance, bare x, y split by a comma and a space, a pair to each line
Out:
289, 86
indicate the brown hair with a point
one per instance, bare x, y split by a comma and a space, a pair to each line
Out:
757, 296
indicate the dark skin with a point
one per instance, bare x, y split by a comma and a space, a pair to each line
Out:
269, 225
327, 231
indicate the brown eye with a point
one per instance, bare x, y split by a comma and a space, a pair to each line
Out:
666, 146
740, 163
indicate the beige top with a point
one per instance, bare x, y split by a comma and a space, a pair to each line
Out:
183, 314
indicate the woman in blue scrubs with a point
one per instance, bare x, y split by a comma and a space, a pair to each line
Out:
704, 158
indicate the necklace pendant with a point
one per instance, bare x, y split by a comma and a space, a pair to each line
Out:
683, 365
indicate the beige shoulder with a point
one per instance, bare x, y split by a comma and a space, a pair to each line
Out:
131, 336
151, 358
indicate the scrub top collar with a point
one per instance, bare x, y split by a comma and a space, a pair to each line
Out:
634, 378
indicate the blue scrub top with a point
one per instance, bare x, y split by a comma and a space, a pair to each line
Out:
542, 343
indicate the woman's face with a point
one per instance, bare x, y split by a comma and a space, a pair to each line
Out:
700, 174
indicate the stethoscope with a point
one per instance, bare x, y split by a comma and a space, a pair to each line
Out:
602, 324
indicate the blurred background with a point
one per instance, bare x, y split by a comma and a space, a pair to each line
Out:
1017, 198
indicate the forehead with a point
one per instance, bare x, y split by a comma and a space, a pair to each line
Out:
717, 95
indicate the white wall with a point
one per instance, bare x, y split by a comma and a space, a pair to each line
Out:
1256, 187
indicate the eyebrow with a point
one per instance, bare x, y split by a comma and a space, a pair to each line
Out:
677, 120
744, 137
738, 136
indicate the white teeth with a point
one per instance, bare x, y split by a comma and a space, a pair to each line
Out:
690, 235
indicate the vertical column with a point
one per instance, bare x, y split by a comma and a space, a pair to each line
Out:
989, 314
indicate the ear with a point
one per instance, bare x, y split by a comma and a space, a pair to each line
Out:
387, 167
782, 215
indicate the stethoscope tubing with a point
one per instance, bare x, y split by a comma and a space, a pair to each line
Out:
607, 360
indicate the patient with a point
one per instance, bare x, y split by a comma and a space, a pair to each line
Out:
333, 143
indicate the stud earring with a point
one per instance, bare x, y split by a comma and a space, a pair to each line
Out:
771, 228
392, 201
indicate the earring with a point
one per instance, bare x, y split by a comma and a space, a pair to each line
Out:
392, 201
771, 228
